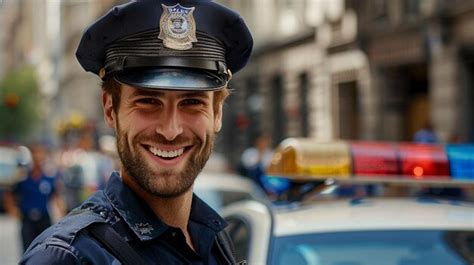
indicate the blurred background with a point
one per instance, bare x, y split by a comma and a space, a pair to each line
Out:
327, 69
330, 69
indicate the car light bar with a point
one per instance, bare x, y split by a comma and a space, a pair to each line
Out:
304, 159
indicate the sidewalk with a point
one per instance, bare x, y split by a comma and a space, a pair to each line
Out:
10, 246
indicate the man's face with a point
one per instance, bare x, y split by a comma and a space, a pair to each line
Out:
164, 138
38, 155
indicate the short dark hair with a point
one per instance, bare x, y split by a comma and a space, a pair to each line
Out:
111, 86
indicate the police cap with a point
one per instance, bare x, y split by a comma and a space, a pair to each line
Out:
167, 44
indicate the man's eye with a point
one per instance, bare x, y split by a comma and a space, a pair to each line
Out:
148, 101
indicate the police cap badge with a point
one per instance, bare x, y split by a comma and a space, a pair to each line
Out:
177, 27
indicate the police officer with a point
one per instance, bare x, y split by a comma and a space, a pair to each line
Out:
165, 66
31, 197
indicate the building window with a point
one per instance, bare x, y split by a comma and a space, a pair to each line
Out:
348, 110
290, 16
411, 8
253, 108
380, 11
304, 111
278, 113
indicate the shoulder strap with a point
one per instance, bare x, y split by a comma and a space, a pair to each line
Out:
105, 234
226, 247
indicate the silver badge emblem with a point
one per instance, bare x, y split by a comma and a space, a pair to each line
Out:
143, 228
177, 27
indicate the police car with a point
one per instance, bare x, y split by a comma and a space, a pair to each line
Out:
385, 229
218, 187
221, 189
12, 157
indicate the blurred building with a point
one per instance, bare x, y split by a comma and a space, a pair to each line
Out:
8, 14
45, 34
304, 74
352, 69
421, 58
29, 36
79, 91
329, 69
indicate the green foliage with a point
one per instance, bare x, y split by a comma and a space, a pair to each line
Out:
19, 104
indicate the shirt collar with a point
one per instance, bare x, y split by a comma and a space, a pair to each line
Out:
203, 214
136, 214
141, 219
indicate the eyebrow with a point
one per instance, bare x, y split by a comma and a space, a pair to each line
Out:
146, 92
194, 94
155, 93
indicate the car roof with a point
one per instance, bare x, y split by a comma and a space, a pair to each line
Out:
374, 214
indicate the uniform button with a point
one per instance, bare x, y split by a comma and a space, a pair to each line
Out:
173, 234
103, 214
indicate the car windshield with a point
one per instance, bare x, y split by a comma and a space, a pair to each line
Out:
413, 247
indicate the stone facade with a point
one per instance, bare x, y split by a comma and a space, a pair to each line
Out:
303, 51
376, 70
45, 34
420, 54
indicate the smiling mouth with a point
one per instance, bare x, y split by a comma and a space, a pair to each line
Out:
166, 154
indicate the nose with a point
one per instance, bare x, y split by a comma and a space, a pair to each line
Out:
169, 124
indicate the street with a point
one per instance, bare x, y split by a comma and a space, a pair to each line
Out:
10, 246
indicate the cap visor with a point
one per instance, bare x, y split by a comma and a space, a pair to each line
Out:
172, 79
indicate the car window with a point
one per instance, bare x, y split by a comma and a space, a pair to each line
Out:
412, 247
239, 232
8, 163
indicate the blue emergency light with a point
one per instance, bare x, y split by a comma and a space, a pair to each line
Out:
461, 160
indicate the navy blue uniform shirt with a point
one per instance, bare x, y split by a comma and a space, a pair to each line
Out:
68, 243
34, 194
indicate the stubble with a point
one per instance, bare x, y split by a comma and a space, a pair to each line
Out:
167, 183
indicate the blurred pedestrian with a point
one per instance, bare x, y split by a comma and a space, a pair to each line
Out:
425, 135
29, 199
255, 159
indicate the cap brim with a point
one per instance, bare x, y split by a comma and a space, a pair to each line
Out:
172, 79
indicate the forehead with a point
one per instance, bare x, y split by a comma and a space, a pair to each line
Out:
131, 91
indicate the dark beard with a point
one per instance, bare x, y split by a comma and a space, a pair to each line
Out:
138, 170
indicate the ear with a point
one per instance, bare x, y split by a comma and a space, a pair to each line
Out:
218, 118
109, 113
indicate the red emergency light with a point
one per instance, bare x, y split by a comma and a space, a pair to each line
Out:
374, 159
422, 161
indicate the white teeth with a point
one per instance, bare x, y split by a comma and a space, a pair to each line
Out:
166, 154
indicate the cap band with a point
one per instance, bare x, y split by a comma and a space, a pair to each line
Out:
128, 62
145, 49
